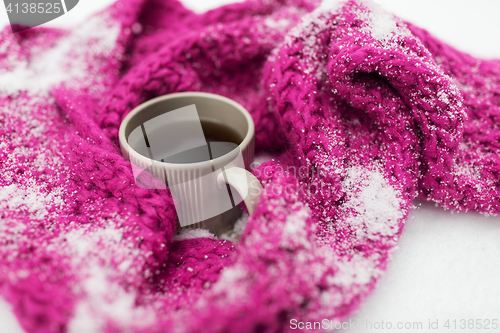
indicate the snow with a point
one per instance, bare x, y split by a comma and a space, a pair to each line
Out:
8, 323
193, 233
90, 250
105, 300
471, 26
30, 200
279, 24
330, 5
382, 23
232, 283
356, 270
374, 206
65, 61
295, 229
93, 250
446, 267
232, 235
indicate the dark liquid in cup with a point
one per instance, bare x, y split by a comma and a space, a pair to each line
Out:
217, 132
221, 139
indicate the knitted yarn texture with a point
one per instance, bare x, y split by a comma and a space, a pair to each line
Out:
357, 112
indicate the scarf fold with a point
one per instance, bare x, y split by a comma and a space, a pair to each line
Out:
356, 112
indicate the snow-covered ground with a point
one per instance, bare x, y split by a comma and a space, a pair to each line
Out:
447, 265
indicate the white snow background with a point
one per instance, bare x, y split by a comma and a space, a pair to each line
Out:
448, 264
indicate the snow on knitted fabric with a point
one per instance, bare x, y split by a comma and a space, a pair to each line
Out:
359, 112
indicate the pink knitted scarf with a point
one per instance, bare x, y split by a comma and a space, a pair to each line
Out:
361, 114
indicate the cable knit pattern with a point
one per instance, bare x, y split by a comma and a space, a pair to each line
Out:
359, 111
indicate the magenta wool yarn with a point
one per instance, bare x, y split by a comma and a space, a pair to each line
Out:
359, 112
